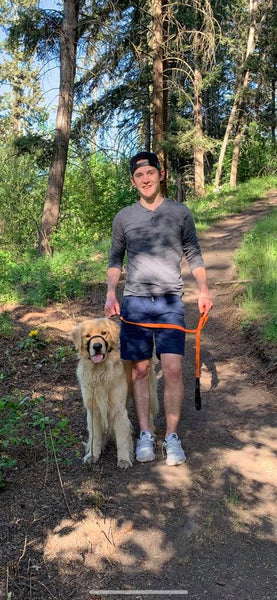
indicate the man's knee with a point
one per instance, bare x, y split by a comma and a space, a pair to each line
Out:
172, 368
141, 369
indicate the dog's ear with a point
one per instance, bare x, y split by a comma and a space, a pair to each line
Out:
113, 330
75, 336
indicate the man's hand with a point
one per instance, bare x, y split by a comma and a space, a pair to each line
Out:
112, 305
204, 303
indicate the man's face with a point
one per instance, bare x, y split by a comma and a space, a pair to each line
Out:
147, 180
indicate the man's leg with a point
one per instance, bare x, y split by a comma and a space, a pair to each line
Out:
172, 367
145, 444
141, 369
173, 400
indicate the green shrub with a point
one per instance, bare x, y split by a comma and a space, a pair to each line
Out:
257, 260
22, 192
95, 190
258, 155
39, 280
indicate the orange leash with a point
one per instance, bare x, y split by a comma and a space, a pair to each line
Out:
201, 323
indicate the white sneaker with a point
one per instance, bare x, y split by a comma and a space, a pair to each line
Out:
174, 452
145, 447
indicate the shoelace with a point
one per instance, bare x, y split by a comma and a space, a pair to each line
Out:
145, 441
175, 444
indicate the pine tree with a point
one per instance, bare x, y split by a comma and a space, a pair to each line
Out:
23, 104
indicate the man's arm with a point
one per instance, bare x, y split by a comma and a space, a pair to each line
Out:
112, 305
117, 251
204, 300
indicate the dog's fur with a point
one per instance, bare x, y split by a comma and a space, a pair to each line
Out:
106, 381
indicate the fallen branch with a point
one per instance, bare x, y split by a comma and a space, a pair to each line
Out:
59, 474
23, 551
233, 281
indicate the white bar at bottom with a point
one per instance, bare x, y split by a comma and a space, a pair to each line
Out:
137, 592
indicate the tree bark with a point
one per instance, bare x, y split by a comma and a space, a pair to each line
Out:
165, 33
242, 85
147, 130
273, 109
241, 119
157, 74
68, 45
160, 13
236, 148
199, 176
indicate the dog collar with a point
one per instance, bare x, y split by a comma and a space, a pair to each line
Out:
102, 338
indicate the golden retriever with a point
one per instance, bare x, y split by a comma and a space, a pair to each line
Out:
105, 382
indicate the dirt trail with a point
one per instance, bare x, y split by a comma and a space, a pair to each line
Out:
205, 529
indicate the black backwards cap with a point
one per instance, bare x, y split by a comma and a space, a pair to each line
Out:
143, 159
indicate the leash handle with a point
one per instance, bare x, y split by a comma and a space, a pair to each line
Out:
201, 323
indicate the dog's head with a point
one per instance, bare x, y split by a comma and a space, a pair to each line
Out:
95, 338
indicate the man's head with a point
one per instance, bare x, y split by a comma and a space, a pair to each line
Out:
143, 159
146, 176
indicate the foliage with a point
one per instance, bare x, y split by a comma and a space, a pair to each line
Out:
25, 429
258, 153
38, 145
32, 342
257, 260
96, 188
20, 72
22, 187
32, 280
216, 205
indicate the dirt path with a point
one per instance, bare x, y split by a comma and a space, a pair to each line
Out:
205, 529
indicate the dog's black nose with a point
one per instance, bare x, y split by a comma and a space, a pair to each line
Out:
97, 347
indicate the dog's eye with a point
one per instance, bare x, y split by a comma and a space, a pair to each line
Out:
103, 332
88, 335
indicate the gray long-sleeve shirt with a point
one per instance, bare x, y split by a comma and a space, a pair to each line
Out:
155, 241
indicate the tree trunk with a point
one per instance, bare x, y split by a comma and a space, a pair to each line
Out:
236, 148
157, 74
145, 127
68, 45
241, 119
180, 189
242, 85
160, 12
273, 109
16, 108
199, 176
147, 130
165, 33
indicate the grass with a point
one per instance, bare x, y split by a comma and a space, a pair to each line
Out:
215, 206
6, 325
257, 260
37, 280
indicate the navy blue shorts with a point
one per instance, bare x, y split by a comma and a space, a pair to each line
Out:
137, 343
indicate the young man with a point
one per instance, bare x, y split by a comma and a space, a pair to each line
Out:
155, 232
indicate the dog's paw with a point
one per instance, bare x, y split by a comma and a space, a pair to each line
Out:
95, 459
124, 464
87, 459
